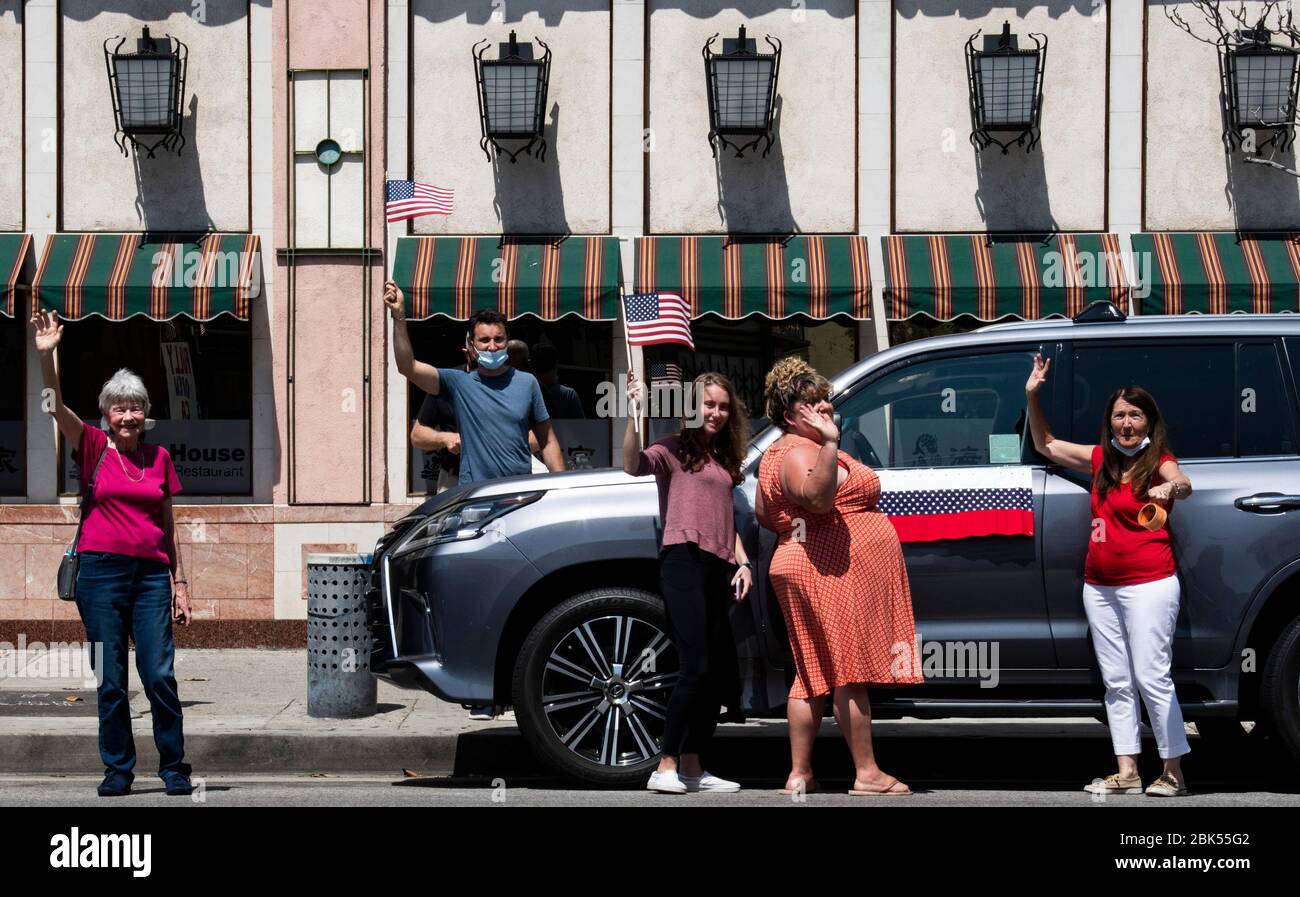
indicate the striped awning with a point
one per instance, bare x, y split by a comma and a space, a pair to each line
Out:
1218, 273
118, 276
15, 263
547, 277
994, 275
737, 276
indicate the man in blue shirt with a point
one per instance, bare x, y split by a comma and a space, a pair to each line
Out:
495, 404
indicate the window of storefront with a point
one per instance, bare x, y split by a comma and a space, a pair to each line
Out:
583, 350
745, 351
923, 326
13, 435
199, 378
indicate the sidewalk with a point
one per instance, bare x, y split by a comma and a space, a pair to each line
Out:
246, 711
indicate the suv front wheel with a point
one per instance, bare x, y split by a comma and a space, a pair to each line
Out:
592, 682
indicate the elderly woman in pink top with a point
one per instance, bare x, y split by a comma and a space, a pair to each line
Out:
696, 471
130, 583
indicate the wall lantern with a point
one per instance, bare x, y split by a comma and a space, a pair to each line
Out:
742, 92
148, 89
1259, 88
512, 96
1006, 89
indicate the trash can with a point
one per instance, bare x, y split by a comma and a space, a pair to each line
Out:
339, 684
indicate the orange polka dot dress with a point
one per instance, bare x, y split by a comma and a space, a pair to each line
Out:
843, 589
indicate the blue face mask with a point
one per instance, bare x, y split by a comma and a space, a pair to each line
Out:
1130, 452
492, 360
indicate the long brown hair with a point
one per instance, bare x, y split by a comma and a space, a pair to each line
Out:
728, 447
1144, 468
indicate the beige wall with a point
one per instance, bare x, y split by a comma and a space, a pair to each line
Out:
569, 191
11, 116
807, 181
941, 182
1191, 184
206, 186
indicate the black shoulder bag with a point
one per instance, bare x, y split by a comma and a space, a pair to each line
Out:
71, 562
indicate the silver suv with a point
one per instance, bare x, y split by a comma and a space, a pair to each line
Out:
541, 592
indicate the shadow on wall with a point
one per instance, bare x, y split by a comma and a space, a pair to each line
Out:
753, 192
1260, 196
169, 187
529, 197
149, 12
1011, 190
978, 9
483, 12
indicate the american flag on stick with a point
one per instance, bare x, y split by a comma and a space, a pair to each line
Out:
411, 199
654, 318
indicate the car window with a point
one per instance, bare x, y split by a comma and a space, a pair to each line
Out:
1191, 382
941, 412
1265, 422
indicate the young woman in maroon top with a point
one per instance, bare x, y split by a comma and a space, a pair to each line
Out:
696, 471
1131, 589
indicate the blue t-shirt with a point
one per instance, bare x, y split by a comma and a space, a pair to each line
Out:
495, 415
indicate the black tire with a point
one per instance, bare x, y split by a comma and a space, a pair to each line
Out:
1279, 690
599, 734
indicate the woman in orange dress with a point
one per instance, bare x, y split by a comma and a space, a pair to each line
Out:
838, 574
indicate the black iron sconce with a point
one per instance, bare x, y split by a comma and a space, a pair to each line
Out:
1006, 89
512, 97
148, 89
1259, 80
741, 86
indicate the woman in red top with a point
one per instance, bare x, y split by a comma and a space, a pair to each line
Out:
696, 471
130, 583
1131, 589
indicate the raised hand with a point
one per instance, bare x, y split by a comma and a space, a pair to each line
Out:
820, 420
48, 330
394, 300
633, 395
1038, 376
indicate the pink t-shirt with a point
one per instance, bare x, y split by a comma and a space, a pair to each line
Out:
125, 516
693, 506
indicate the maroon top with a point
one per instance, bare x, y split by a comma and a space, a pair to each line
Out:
693, 506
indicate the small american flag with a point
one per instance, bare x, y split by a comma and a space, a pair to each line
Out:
410, 199
665, 373
654, 318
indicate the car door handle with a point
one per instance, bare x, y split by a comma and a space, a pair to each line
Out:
1268, 502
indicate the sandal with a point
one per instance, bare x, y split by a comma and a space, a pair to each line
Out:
809, 787
890, 790
1166, 786
1113, 784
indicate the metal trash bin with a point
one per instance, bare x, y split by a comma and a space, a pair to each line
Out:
339, 684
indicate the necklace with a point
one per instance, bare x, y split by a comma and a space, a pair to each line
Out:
122, 464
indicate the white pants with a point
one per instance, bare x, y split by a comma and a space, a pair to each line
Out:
1133, 633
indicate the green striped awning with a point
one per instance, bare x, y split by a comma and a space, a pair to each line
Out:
1218, 273
15, 264
737, 276
118, 276
994, 275
548, 277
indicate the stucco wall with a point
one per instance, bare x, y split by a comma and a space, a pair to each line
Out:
11, 116
941, 182
569, 191
206, 186
807, 181
1191, 184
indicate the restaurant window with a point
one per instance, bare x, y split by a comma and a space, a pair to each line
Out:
199, 378
582, 351
13, 436
923, 326
745, 351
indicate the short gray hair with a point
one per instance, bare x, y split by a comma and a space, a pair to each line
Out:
124, 386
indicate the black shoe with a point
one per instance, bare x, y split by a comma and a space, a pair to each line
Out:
115, 784
178, 784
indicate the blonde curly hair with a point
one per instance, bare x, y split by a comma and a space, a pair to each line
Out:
792, 380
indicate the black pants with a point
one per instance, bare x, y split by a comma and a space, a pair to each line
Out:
698, 595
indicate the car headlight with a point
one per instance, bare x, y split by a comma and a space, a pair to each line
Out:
459, 522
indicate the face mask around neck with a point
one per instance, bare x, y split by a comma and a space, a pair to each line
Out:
1130, 452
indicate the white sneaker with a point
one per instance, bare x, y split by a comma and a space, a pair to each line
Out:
707, 781
666, 783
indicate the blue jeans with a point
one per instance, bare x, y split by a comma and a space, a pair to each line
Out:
120, 597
